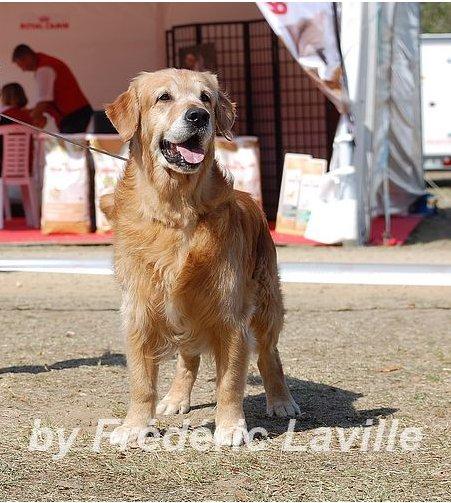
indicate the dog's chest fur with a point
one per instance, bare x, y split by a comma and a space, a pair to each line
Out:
181, 281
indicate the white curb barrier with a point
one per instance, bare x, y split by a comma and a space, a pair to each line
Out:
290, 272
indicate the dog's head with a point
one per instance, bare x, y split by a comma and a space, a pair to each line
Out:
175, 114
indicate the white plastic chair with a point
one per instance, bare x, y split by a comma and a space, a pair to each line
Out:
17, 142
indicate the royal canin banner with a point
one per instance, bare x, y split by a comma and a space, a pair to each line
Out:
308, 32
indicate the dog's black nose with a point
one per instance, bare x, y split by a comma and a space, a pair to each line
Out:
197, 116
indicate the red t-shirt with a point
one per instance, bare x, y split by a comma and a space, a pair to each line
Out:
67, 95
17, 113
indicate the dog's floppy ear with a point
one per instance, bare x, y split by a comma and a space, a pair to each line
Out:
124, 113
225, 115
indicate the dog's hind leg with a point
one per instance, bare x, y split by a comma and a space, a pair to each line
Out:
279, 401
178, 399
266, 326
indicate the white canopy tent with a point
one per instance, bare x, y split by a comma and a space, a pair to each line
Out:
382, 61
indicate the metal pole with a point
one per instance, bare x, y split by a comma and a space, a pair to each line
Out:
278, 137
361, 103
386, 173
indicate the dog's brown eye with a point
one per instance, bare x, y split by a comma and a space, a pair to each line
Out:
164, 97
204, 97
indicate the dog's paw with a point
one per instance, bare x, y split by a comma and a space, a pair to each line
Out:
231, 436
169, 406
124, 436
283, 408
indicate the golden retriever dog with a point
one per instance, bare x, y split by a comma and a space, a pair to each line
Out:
194, 257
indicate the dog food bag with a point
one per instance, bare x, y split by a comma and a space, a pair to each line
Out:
241, 157
107, 172
65, 201
309, 188
293, 168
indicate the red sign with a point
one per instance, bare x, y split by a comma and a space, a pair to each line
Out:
278, 7
44, 23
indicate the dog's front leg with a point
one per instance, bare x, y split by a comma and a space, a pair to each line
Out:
178, 399
143, 370
232, 359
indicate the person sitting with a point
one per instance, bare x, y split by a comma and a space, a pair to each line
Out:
13, 103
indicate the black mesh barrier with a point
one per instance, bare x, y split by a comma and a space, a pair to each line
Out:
276, 100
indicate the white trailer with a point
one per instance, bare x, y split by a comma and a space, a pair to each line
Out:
436, 100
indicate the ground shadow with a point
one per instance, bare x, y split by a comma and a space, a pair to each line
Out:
109, 359
321, 404
437, 226
433, 228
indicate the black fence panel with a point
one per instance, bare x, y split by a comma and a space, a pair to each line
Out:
229, 44
276, 100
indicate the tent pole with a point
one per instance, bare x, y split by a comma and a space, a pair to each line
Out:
386, 180
364, 113
358, 102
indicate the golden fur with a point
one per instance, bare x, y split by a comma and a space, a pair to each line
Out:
195, 261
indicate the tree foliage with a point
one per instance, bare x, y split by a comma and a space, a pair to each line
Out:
436, 17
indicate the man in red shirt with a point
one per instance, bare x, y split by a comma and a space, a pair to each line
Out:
58, 91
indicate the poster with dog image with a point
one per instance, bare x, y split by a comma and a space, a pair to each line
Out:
308, 32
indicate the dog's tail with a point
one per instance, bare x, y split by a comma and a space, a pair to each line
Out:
108, 207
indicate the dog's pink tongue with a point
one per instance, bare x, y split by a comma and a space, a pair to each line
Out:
191, 155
